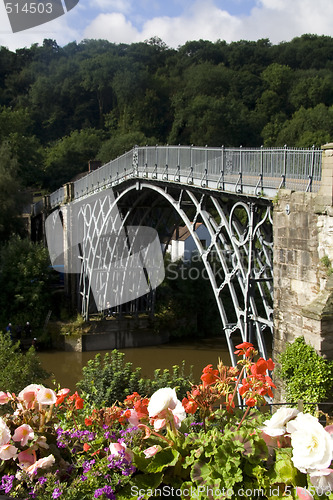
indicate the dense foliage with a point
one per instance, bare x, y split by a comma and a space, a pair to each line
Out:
108, 379
18, 369
61, 106
307, 375
24, 279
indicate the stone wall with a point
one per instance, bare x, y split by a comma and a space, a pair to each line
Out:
303, 251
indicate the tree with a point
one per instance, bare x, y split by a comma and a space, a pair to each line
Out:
69, 156
12, 200
307, 127
311, 88
24, 278
16, 132
118, 144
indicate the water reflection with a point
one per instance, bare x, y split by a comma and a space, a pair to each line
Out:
67, 366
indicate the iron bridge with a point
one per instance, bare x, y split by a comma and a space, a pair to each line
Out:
229, 190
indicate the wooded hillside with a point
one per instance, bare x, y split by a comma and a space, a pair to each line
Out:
61, 106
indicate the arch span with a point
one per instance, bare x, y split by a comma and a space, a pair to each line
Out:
238, 260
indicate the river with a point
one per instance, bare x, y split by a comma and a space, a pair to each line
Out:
66, 367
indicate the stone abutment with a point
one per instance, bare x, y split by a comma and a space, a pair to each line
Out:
303, 272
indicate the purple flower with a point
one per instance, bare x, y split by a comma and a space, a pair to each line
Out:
56, 493
107, 490
42, 480
7, 483
87, 465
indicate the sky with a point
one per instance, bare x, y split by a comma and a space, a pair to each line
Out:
175, 21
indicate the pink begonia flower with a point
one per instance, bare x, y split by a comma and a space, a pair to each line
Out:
23, 434
4, 397
121, 449
26, 458
164, 401
150, 452
159, 423
4, 432
63, 392
303, 493
8, 451
42, 463
28, 394
41, 442
322, 480
179, 414
46, 396
133, 419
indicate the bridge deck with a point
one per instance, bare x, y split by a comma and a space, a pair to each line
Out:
257, 172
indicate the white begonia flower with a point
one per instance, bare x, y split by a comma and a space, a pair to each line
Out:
8, 451
276, 425
312, 444
46, 396
4, 433
322, 480
179, 414
162, 399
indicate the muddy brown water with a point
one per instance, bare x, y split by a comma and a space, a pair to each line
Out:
66, 367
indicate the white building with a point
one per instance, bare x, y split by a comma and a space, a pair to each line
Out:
182, 245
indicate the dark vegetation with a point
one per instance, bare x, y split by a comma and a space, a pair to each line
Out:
61, 106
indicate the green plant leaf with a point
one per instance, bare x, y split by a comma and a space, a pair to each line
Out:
167, 457
143, 486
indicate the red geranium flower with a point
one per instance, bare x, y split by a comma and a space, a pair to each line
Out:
245, 348
189, 405
250, 402
209, 375
260, 367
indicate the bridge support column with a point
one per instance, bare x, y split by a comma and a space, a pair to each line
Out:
70, 279
303, 272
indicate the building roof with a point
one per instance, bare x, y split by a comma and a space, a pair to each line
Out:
182, 232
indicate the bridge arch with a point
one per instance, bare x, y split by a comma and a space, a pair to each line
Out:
238, 260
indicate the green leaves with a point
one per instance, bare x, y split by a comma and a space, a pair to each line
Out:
308, 376
112, 379
18, 369
24, 276
165, 458
142, 486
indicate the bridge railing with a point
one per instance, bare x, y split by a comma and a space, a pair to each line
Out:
292, 168
253, 170
109, 174
57, 197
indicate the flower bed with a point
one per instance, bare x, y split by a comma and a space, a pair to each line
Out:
55, 445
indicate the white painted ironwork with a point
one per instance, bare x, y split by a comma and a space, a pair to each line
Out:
239, 258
